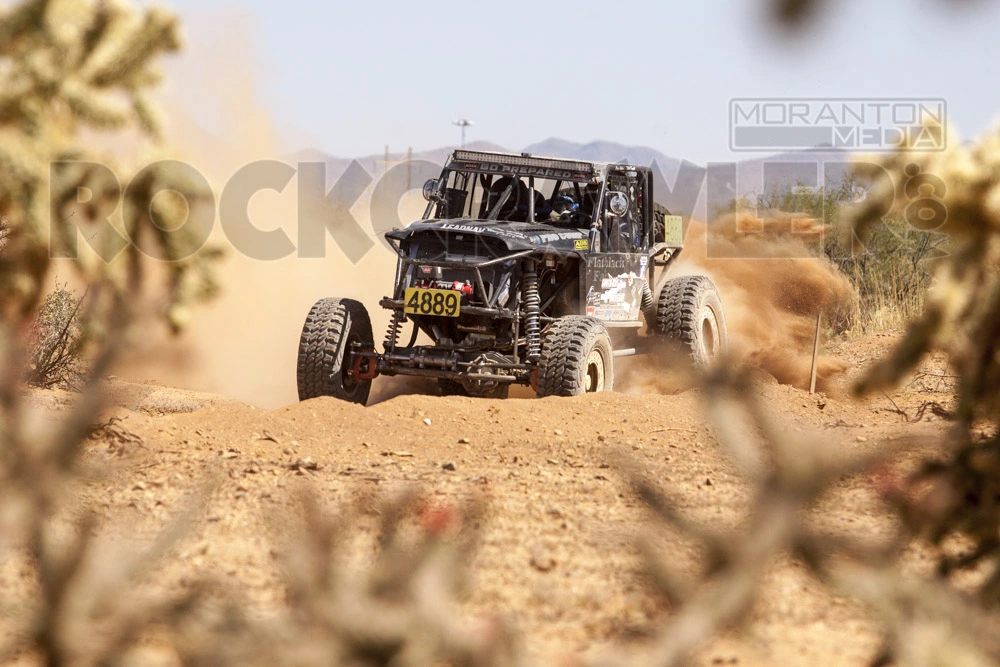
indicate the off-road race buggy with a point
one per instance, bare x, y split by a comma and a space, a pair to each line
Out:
523, 270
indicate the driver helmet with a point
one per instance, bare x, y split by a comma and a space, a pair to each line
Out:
564, 205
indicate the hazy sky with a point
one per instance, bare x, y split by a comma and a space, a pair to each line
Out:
353, 77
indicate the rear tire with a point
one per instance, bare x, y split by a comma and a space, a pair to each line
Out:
330, 328
689, 312
576, 358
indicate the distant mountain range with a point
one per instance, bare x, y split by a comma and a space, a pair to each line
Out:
680, 184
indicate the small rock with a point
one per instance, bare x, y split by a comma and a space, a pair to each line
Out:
570, 452
464, 441
451, 467
300, 465
558, 432
427, 421
708, 482
540, 561
552, 462
862, 438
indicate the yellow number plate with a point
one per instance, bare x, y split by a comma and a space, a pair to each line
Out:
673, 229
437, 302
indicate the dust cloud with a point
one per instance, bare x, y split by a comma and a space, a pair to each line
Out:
773, 285
244, 343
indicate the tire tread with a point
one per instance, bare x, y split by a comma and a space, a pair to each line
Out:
565, 349
322, 347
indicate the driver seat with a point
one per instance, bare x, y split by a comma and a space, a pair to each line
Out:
493, 194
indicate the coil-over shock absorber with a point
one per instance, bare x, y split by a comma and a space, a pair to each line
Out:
532, 310
392, 335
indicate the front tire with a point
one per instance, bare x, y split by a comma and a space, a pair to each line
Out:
689, 313
576, 358
330, 328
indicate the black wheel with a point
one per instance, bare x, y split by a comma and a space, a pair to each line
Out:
576, 358
330, 328
689, 312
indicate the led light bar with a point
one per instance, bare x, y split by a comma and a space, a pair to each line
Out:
521, 165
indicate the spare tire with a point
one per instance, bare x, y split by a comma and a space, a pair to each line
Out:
689, 312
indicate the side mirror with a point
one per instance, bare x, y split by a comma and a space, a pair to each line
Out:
618, 204
431, 190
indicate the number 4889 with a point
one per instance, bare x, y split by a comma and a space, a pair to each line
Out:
440, 303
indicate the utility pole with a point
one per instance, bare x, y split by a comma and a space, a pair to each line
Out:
409, 168
463, 123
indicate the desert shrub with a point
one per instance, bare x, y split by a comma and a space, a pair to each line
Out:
890, 271
891, 274
55, 343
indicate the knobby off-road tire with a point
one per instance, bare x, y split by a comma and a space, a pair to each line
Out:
330, 328
689, 313
576, 358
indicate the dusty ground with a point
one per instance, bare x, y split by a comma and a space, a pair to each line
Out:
557, 557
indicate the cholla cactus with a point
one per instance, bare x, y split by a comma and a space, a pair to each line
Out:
959, 191
925, 623
66, 66
402, 609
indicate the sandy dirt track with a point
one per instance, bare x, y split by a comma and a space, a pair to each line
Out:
557, 557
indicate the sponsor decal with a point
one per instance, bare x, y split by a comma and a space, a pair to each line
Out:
552, 237
474, 229
613, 286
523, 170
